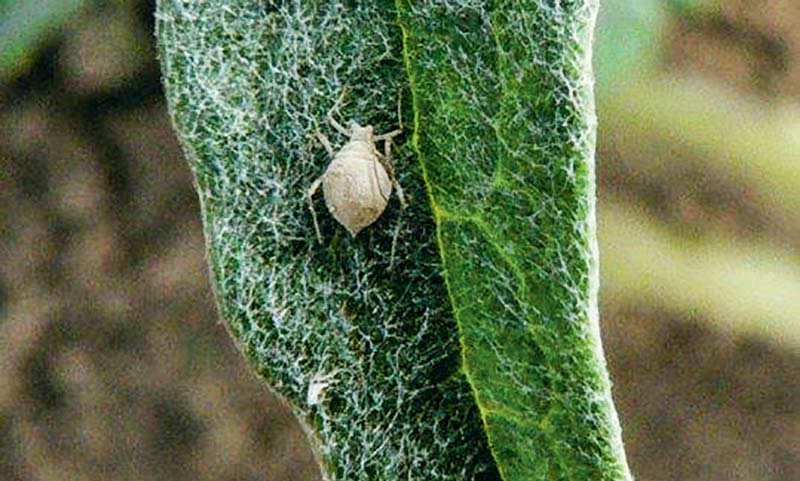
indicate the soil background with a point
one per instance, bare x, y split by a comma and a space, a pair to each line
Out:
113, 364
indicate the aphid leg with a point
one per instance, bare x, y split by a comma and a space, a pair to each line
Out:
325, 143
387, 164
389, 136
386, 161
335, 110
315, 186
336, 125
310, 196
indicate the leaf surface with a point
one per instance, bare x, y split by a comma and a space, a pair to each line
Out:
466, 320
248, 86
505, 134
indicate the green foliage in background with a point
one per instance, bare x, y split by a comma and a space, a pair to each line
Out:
746, 288
25, 25
668, 126
393, 375
629, 34
679, 129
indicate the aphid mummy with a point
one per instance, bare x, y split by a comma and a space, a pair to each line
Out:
358, 182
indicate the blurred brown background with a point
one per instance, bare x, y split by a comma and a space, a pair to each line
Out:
113, 364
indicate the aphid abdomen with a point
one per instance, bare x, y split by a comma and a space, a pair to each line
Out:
356, 186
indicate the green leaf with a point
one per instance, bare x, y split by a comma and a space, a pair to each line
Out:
505, 134
248, 86
360, 335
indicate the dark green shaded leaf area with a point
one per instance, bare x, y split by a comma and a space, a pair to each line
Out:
455, 339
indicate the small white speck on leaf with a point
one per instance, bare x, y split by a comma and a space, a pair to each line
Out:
317, 386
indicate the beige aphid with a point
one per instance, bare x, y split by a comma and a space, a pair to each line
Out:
358, 181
